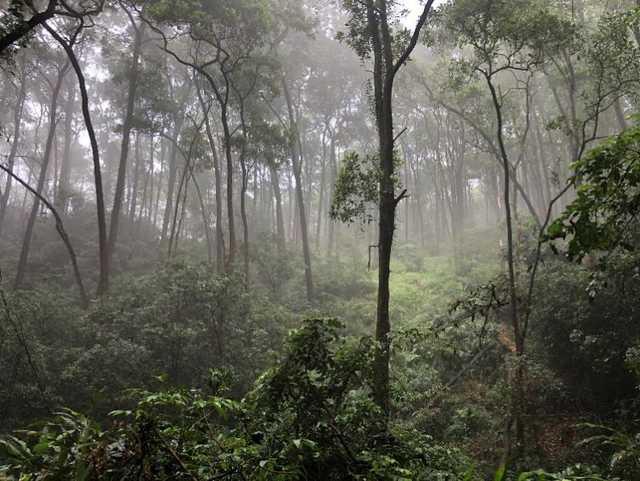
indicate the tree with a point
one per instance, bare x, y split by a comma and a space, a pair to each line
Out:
44, 168
17, 129
67, 45
15, 28
602, 218
370, 34
127, 125
296, 165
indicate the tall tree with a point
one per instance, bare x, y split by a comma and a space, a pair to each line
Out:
296, 165
371, 35
15, 143
127, 125
42, 177
68, 46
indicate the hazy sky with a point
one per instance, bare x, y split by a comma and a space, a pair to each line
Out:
415, 6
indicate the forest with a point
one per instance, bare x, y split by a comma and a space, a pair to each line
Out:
309, 240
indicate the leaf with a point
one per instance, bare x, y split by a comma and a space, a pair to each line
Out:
500, 473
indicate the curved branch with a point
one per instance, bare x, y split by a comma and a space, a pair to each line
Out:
103, 285
414, 38
23, 29
61, 231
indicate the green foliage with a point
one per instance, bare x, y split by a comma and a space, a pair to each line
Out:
602, 216
34, 353
585, 339
633, 360
612, 57
356, 189
179, 321
61, 450
358, 35
310, 417
625, 460
579, 472
503, 34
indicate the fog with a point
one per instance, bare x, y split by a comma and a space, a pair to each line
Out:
328, 239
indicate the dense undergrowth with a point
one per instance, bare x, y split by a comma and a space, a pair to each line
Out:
181, 374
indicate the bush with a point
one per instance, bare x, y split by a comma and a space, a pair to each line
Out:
179, 321
310, 417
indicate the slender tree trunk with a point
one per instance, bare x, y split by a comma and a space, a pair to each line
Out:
64, 183
297, 171
84, 298
245, 220
321, 201
133, 198
205, 217
280, 230
383, 92
218, 185
224, 117
28, 236
518, 398
148, 179
126, 139
171, 181
620, 117
385, 70
103, 283
156, 207
333, 166
243, 191
11, 160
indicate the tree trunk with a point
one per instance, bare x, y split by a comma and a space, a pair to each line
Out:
218, 185
84, 299
385, 69
321, 194
64, 183
171, 182
28, 236
103, 283
280, 230
245, 220
17, 128
126, 139
297, 171
224, 117
620, 117
518, 398
333, 167
133, 197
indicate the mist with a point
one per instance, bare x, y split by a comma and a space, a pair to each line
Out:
309, 240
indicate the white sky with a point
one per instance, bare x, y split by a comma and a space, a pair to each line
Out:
415, 7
